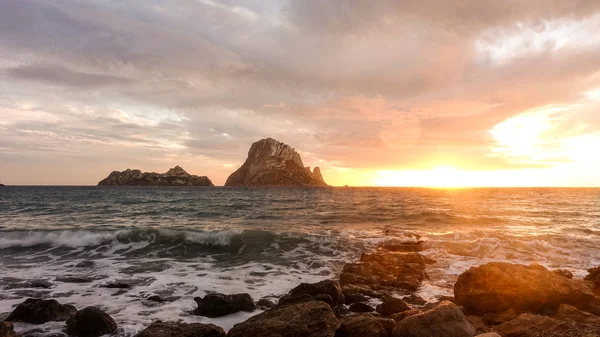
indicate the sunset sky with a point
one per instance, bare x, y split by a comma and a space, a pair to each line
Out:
429, 93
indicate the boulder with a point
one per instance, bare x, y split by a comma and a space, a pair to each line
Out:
218, 305
445, 320
273, 163
361, 307
392, 305
90, 322
364, 325
301, 298
530, 325
177, 329
386, 270
497, 287
496, 318
173, 177
308, 319
352, 292
594, 276
265, 303
327, 287
564, 273
567, 312
6, 330
414, 299
402, 315
37, 311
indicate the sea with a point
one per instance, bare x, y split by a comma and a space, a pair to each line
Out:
69, 243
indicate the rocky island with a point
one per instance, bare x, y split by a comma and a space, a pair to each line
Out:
173, 177
273, 163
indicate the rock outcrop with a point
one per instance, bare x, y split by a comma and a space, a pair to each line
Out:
327, 291
90, 322
164, 329
361, 326
218, 305
499, 286
445, 320
37, 311
173, 177
273, 163
309, 319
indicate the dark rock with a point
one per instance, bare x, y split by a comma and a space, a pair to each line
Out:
6, 330
445, 320
402, 246
392, 305
355, 298
174, 177
414, 299
567, 312
355, 291
156, 298
75, 279
499, 318
497, 287
37, 311
530, 325
40, 284
341, 311
361, 307
478, 324
594, 276
116, 285
381, 270
177, 329
309, 319
402, 315
327, 287
264, 303
564, 273
90, 322
301, 298
273, 163
85, 264
364, 325
218, 305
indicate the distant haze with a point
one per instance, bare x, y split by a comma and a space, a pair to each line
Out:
428, 93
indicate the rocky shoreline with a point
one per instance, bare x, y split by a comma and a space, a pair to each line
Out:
375, 296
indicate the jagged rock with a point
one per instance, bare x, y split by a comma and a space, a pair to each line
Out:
37, 311
174, 177
7, 330
361, 326
177, 329
497, 287
361, 307
381, 270
218, 305
594, 276
326, 287
308, 319
392, 305
445, 320
567, 312
90, 322
273, 163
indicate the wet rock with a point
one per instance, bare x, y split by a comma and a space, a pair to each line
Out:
327, 287
116, 285
218, 305
567, 312
176, 329
355, 298
499, 318
402, 315
156, 298
7, 330
445, 320
361, 307
75, 279
341, 311
402, 246
41, 284
497, 287
594, 276
37, 311
355, 291
414, 299
309, 319
264, 304
564, 273
392, 305
381, 270
361, 326
302, 298
273, 163
85, 264
90, 322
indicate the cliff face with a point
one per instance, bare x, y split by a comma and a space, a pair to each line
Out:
273, 163
174, 177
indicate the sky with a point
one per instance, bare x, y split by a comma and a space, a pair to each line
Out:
430, 93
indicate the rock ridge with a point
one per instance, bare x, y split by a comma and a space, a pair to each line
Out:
175, 176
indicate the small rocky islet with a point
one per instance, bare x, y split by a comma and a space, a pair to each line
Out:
375, 296
269, 163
